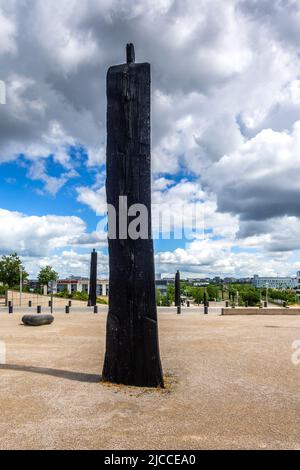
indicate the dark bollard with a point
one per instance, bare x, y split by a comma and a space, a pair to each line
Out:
227, 304
205, 309
177, 290
10, 309
178, 310
246, 304
39, 309
188, 304
265, 304
93, 280
29, 303
96, 309
67, 309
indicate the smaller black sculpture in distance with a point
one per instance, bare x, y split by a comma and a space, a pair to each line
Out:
177, 290
93, 280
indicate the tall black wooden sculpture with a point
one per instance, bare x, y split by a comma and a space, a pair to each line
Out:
132, 350
177, 290
93, 280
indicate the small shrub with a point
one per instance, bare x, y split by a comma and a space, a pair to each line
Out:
165, 301
80, 296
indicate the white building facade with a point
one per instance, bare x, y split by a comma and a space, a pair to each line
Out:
74, 284
275, 282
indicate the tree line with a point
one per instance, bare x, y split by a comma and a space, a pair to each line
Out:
236, 294
11, 268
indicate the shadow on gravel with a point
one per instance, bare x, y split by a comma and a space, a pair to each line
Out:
63, 374
279, 326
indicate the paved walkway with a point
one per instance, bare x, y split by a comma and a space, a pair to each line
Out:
232, 382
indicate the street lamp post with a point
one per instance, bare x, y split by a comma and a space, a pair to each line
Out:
51, 287
21, 285
260, 299
267, 287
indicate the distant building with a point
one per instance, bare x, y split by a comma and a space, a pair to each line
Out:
257, 281
32, 284
275, 282
229, 280
80, 284
199, 282
244, 280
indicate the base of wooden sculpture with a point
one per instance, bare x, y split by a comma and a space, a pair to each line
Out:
37, 320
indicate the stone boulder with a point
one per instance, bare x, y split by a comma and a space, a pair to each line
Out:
37, 320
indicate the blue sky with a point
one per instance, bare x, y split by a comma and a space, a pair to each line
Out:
20, 193
225, 129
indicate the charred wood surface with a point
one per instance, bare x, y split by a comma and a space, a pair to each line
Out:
177, 290
132, 353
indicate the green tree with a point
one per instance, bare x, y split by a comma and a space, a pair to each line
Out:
246, 293
213, 292
46, 275
2, 290
287, 295
198, 294
10, 267
251, 295
171, 293
158, 297
165, 301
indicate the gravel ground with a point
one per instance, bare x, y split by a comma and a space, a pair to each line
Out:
231, 384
